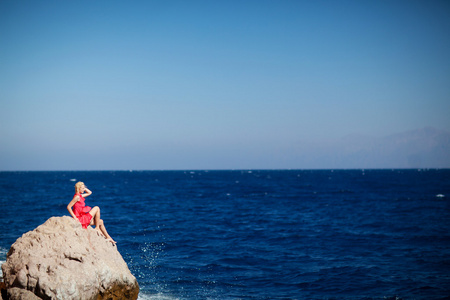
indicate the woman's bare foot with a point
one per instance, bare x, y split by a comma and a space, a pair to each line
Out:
112, 241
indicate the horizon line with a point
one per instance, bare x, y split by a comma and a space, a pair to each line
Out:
244, 169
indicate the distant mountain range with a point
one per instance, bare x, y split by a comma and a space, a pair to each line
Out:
422, 148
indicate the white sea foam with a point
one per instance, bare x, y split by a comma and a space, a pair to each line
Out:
159, 296
3, 253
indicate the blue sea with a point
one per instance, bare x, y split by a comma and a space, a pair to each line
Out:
258, 234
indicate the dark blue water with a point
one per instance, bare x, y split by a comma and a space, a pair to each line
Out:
297, 234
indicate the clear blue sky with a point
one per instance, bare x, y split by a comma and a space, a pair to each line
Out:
213, 84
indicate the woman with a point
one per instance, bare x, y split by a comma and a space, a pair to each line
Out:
85, 214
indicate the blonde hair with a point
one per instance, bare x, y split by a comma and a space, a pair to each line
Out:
78, 186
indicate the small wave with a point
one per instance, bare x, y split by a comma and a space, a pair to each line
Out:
3, 252
440, 196
159, 296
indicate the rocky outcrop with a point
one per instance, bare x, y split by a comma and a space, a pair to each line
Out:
20, 294
61, 260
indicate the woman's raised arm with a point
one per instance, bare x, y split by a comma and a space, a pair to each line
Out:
86, 192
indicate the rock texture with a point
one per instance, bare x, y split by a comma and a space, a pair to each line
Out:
61, 260
2, 290
20, 294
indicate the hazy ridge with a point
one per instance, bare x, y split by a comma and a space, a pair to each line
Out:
421, 148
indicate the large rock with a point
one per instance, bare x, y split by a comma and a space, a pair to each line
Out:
61, 260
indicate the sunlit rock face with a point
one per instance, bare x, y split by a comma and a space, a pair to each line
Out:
61, 260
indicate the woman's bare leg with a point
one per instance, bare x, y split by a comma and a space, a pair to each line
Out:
99, 225
95, 213
105, 233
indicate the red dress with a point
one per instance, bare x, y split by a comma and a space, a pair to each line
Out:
81, 211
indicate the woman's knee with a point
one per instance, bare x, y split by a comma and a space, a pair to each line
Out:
94, 211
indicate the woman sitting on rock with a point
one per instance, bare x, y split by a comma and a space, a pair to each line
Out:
85, 214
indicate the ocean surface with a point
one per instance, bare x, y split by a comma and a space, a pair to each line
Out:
258, 234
